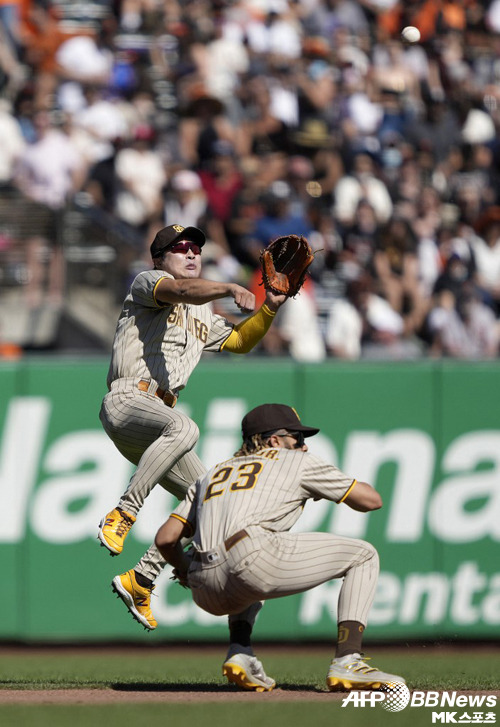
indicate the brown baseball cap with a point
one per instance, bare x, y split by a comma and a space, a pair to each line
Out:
173, 233
270, 418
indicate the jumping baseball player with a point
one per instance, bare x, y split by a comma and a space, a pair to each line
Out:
240, 513
164, 327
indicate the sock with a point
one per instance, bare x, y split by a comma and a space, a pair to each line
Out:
239, 638
143, 580
350, 636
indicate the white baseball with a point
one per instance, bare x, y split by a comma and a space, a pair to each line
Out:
410, 34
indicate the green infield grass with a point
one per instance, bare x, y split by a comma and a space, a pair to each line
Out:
177, 668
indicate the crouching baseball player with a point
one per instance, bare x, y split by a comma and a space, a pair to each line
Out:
240, 513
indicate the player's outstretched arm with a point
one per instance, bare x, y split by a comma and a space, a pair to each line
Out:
363, 498
249, 332
198, 291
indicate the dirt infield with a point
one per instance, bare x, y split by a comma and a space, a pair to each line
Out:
112, 696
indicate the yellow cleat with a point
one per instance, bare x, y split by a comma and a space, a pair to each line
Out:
114, 528
136, 598
247, 673
351, 672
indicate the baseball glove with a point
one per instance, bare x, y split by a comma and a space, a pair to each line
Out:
284, 264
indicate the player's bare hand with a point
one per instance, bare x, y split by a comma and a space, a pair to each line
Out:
273, 300
244, 299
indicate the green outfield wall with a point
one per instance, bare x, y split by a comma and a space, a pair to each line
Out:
426, 435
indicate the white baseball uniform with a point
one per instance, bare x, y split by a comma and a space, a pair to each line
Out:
240, 513
156, 347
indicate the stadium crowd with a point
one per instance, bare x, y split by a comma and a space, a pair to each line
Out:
255, 118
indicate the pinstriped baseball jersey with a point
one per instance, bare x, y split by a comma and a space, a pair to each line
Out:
163, 342
268, 489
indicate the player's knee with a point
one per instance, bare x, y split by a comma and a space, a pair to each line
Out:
367, 553
184, 430
372, 556
191, 433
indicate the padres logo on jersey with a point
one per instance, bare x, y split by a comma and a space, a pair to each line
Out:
189, 322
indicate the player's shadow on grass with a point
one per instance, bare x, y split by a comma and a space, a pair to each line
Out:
199, 687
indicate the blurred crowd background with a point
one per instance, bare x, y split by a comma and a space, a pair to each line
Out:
252, 119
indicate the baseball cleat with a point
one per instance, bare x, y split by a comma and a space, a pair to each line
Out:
114, 528
248, 673
351, 672
136, 598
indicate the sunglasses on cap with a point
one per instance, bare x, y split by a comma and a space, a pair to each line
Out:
184, 247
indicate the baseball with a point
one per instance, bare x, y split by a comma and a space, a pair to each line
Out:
410, 34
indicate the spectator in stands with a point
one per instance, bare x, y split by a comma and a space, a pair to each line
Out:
437, 130
277, 219
9, 23
264, 130
141, 175
202, 122
12, 143
221, 61
102, 183
221, 180
434, 251
98, 123
428, 213
185, 200
12, 73
361, 183
364, 325
48, 173
463, 327
86, 60
397, 272
300, 172
456, 275
300, 329
360, 241
344, 331
486, 248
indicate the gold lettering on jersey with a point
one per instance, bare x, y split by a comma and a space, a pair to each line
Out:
247, 476
197, 328
176, 316
270, 453
193, 325
246, 479
219, 478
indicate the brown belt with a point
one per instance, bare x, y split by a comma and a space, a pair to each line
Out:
228, 542
168, 397
235, 538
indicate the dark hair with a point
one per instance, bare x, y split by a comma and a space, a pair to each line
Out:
251, 445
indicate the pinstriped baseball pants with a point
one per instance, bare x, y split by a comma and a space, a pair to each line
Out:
270, 565
157, 439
